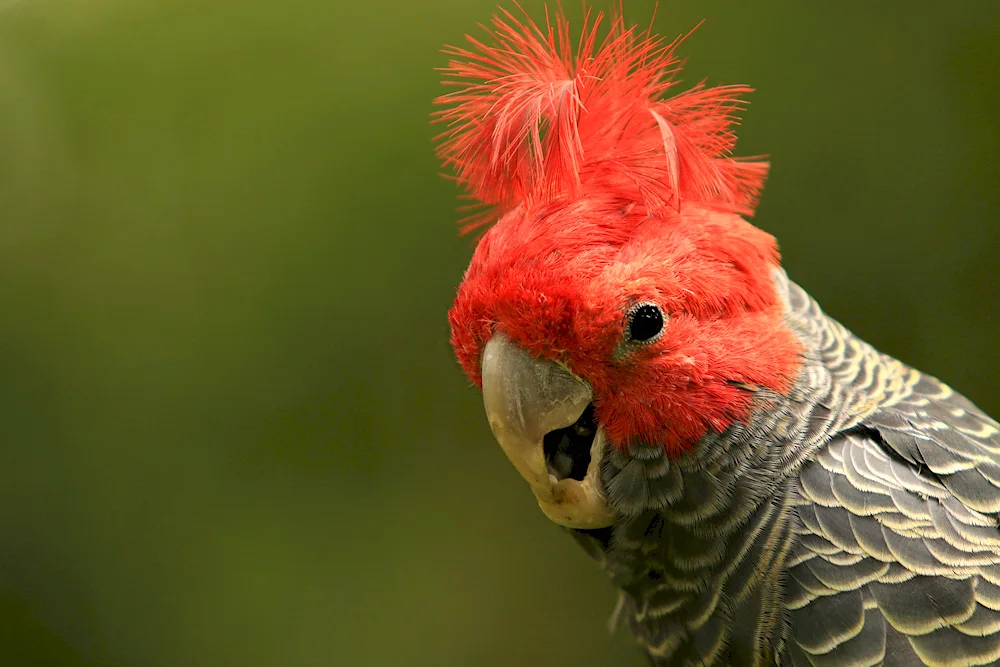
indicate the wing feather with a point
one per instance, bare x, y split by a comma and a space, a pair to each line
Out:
902, 513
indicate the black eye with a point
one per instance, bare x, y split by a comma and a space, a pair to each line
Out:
645, 323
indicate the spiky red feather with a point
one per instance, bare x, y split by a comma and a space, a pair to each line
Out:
531, 119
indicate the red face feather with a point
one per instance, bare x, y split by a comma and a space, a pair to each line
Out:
608, 194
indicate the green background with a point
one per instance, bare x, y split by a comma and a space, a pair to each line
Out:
231, 428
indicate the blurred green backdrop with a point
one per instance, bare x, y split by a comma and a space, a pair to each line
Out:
232, 429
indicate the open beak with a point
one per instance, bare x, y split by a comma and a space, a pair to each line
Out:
542, 415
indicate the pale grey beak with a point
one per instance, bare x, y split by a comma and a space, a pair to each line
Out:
527, 399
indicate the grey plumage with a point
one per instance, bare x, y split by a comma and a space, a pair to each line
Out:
851, 522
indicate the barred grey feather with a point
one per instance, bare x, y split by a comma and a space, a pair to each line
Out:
851, 522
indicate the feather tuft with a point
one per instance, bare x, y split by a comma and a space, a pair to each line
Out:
531, 119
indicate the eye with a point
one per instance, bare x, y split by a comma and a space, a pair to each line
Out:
645, 323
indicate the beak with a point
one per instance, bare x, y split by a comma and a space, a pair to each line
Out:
536, 409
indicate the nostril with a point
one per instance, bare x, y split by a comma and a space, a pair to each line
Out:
567, 450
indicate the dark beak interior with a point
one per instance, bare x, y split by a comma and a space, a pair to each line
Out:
567, 450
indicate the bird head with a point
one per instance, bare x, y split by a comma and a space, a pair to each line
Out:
617, 296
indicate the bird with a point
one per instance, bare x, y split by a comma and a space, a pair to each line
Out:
762, 486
